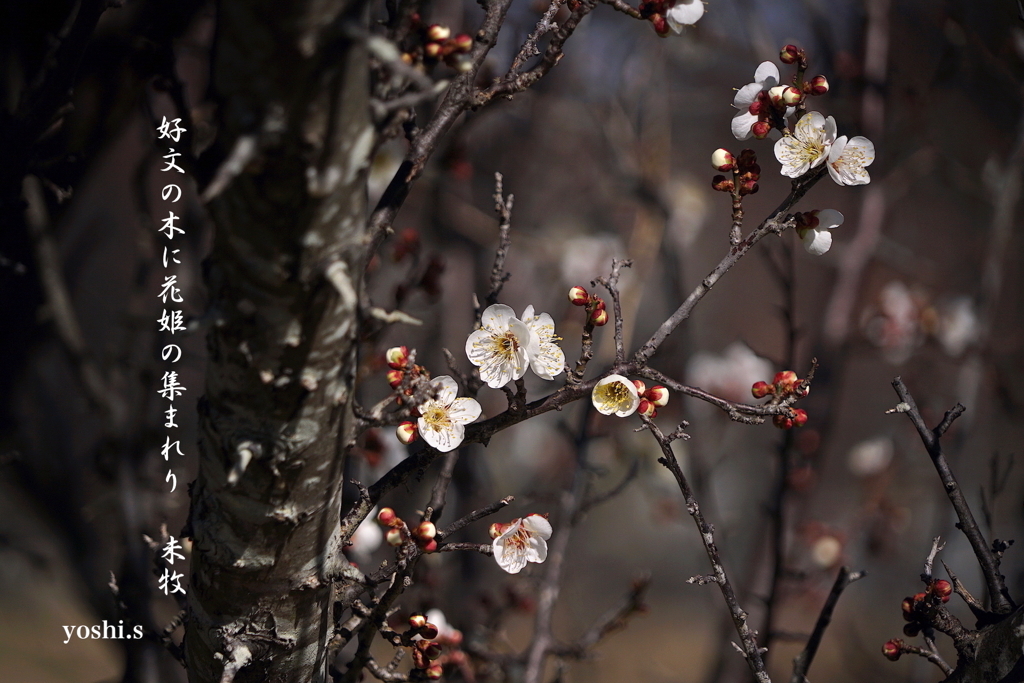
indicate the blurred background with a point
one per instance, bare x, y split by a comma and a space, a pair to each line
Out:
608, 157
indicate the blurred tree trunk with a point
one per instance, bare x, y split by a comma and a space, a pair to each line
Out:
283, 279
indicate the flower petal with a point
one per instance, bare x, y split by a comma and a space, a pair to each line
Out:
537, 525
684, 13
537, 550
447, 389
741, 124
829, 218
746, 95
817, 242
478, 347
496, 317
767, 75
463, 410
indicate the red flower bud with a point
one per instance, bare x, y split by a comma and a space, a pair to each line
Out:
394, 536
430, 546
782, 422
406, 432
417, 621
437, 33
432, 50
578, 296
640, 386
799, 417
434, 671
647, 408
908, 609
660, 25
599, 317
429, 631
912, 629
387, 516
760, 129
761, 389
395, 378
818, 85
397, 357
790, 54
425, 531
723, 184
893, 649
463, 42
723, 160
785, 379
792, 96
658, 395
942, 588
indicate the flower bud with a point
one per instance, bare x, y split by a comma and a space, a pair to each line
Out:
919, 597
578, 296
660, 25
599, 317
893, 649
942, 588
723, 184
394, 536
417, 621
747, 158
395, 378
598, 303
912, 629
784, 380
463, 42
430, 546
775, 95
432, 50
387, 516
802, 388
432, 650
434, 671
799, 417
406, 432
760, 129
397, 357
429, 631
761, 389
658, 395
782, 422
790, 54
792, 96
723, 160
647, 409
907, 607
425, 531
640, 386
497, 529
818, 85
748, 186
437, 33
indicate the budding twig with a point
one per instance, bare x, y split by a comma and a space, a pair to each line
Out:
802, 662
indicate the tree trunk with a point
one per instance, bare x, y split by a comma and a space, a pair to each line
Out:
283, 278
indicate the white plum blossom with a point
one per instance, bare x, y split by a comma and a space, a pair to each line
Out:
847, 159
442, 422
615, 394
546, 359
684, 13
809, 145
525, 540
766, 77
505, 346
500, 346
818, 240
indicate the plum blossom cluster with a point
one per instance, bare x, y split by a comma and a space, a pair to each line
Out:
399, 533
505, 346
765, 104
435, 43
442, 417
622, 396
785, 385
745, 172
435, 644
814, 142
520, 541
671, 15
813, 229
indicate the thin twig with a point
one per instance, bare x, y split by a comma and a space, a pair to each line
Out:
486, 511
926, 576
611, 283
748, 638
503, 207
1001, 601
803, 661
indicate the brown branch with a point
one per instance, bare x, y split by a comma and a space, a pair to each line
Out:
611, 283
776, 222
803, 661
1001, 601
624, 7
611, 621
499, 276
748, 638
473, 517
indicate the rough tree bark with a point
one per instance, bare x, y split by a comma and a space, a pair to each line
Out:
283, 279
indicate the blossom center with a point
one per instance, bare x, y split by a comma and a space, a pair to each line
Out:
505, 345
437, 418
518, 541
614, 396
